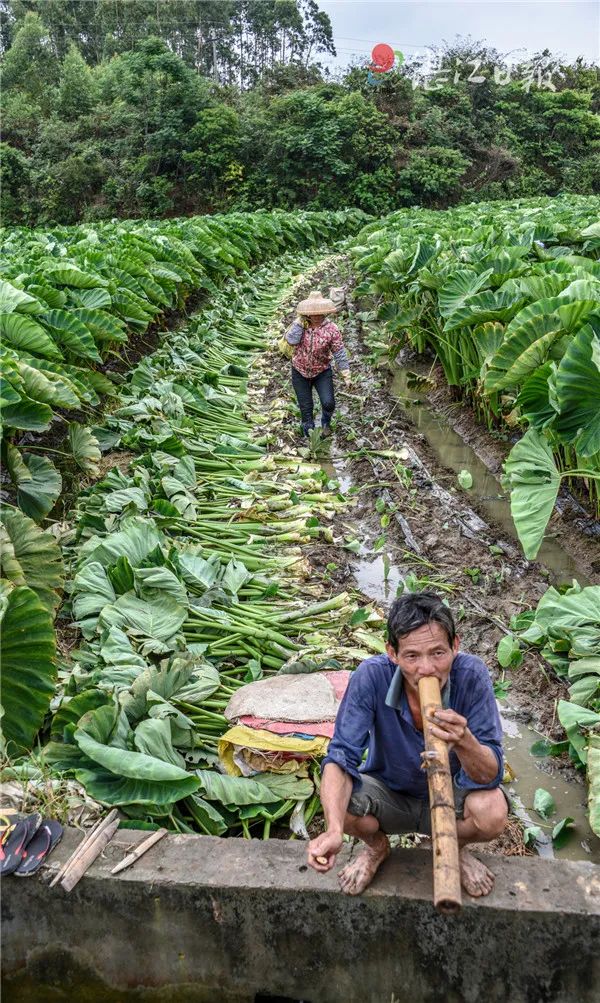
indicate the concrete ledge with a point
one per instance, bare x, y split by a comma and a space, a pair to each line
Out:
201, 919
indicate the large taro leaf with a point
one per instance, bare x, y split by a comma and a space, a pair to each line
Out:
583, 690
458, 288
202, 684
29, 556
500, 305
26, 414
28, 659
153, 737
120, 776
165, 680
103, 325
114, 789
92, 591
570, 610
13, 299
199, 574
235, 575
71, 334
71, 275
233, 790
93, 299
593, 776
530, 337
122, 665
16, 466
286, 786
84, 448
155, 623
47, 388
578, 391
73, 708
523, 350
26, 335
531, 475
536, 399
136, 538
183, 732
573, 719
206, 816
152, 583
37, 495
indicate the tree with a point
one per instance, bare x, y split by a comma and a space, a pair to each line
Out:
76, 90
213, 157
15, 182
432, 177
30, 65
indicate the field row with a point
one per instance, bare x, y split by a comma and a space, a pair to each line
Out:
186, 578
507, 296
73, 299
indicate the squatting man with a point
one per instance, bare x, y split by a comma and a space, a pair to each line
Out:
381, 712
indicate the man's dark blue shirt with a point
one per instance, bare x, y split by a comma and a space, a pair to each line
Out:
374, 714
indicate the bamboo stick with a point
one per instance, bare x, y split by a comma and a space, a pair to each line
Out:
89, 854
446, 868
86, 838
88, 841
139, 851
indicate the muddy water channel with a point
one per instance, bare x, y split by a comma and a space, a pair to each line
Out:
454, 453
380, 577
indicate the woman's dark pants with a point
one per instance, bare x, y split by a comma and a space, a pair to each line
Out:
303, 386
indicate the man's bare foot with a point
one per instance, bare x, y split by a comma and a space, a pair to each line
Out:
355, 877
475, 877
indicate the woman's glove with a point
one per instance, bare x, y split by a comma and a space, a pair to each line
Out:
345, 374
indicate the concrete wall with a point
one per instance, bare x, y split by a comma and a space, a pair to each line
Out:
205, 920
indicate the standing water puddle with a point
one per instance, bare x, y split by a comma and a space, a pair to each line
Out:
569, 795
454, 453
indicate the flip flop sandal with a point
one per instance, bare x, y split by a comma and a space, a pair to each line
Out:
11, 852
7, 825
43, 842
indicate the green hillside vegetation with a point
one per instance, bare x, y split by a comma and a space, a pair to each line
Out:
135, 113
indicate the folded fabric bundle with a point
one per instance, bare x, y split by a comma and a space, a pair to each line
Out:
244, 751
323, 728
304, 697
282, 722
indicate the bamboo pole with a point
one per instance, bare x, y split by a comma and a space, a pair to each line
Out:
139, 851
88, 849
87, 836
446, 869
88, 855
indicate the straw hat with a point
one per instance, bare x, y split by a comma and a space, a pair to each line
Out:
316, 303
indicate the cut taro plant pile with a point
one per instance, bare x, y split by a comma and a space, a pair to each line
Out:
566, 628
187, 578
72, 297
507, 296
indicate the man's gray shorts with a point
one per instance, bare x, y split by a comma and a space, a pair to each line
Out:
396, 812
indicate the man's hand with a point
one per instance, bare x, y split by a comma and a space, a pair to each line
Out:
476, 759
323, 851
449, 726
345, 374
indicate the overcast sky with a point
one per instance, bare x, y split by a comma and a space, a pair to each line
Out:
568, 28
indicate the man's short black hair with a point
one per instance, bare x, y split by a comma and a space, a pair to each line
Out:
414, 610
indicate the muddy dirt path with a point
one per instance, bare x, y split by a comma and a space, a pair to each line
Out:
409, 524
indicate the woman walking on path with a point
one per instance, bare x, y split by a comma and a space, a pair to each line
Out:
316, 340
